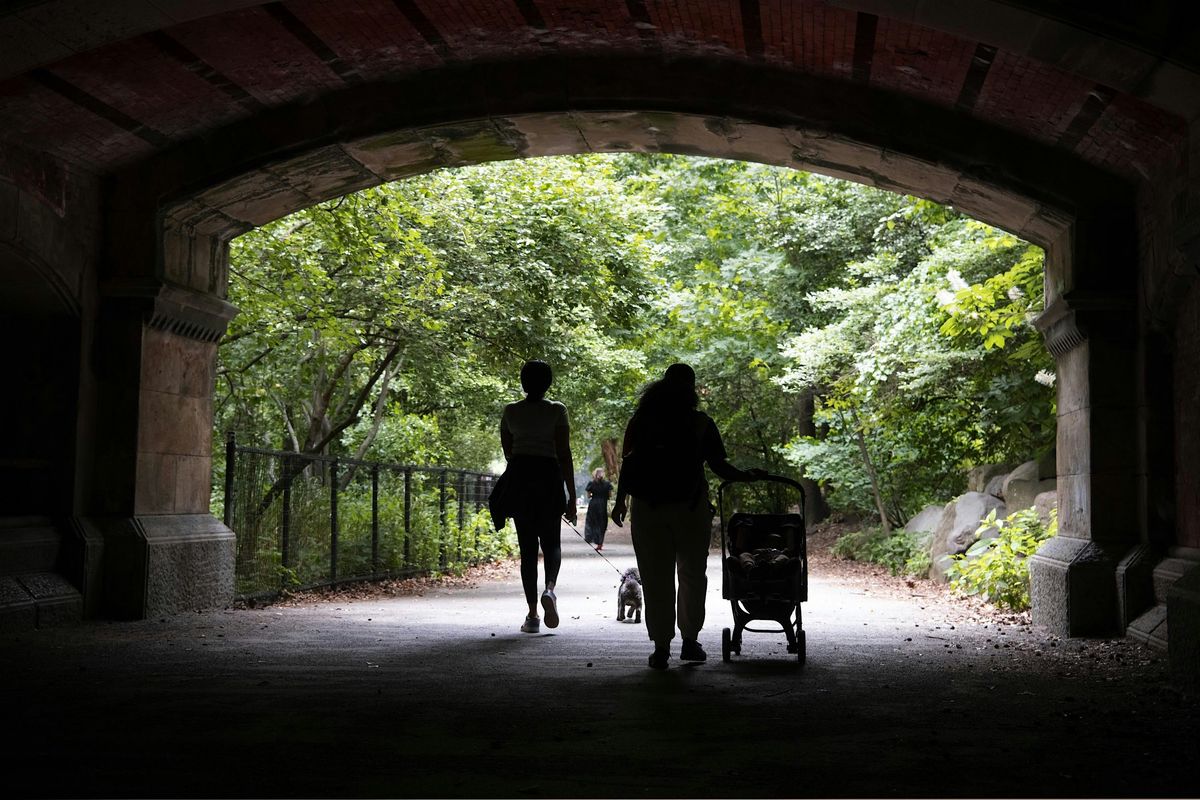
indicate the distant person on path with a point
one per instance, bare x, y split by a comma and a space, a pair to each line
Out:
596, 522
667, 443
539, 485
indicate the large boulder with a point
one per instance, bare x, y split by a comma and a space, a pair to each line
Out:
956, 530
995, 487
1048, 464
1045, 503
926, 519
978, 477
1023, 485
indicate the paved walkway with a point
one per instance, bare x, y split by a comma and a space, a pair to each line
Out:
440, 695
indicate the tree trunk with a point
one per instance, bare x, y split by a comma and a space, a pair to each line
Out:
815, 507
611, 450
866, 457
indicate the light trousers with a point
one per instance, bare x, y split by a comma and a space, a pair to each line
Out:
670, 539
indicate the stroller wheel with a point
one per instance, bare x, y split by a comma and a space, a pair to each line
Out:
726, 643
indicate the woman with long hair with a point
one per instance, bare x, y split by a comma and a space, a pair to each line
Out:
540, 476
667, 443
596, 521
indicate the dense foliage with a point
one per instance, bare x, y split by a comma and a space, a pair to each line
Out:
879, 343
901, 552
997, 569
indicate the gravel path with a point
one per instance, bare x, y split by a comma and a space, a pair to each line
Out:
417, 689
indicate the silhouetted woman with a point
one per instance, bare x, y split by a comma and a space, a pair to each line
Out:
596, 521
667, 443
535, 435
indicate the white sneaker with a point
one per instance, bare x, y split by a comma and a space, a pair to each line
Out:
531, 625
550, 606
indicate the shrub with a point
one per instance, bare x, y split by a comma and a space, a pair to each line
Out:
902, 552
997, 569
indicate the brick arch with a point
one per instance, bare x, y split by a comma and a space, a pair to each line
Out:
1081, 215
161, 134
293, 157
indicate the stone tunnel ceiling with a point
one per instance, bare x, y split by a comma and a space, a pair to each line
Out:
126, 81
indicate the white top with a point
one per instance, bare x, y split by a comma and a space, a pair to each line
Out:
532, 424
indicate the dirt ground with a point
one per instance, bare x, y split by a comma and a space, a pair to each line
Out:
424, 689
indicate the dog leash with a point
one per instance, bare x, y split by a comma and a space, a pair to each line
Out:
589, 544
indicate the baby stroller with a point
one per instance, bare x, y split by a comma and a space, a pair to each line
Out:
764, 561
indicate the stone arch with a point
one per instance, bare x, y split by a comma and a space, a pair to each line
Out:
1081, 216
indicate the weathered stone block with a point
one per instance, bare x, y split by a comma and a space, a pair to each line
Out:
911, 175
1074, 506
255, 198
177, 365
396, 155
1114, 507
173, 423
163, 564
550, 134
1073, 587
156, 482
1073, 444
1183, 616
28, 545
1135, 583
616, 131
193, 479
760, 143
325, 173
1003, 209
1072, 384
1150, 628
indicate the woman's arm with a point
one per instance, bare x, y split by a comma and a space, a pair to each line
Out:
506, 437
562, 446
619, 508
714, 454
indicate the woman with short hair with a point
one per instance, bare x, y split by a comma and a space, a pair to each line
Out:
536, 438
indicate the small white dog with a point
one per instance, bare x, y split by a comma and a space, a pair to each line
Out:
629, 596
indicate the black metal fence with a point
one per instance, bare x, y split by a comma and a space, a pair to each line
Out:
305, 520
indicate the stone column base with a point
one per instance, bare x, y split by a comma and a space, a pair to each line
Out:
1183, 620
1073, 587
165, 564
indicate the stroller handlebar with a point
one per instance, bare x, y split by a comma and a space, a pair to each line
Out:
766, 477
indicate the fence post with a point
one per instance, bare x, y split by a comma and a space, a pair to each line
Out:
375, 519
285, 516
462, 501
230, 468
442, 516
407, 517
333, 520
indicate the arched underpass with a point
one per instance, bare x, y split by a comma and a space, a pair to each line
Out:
135, 144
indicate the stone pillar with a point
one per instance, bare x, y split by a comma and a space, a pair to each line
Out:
154, 355
1074, 575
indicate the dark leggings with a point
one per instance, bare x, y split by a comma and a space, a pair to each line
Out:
533, 529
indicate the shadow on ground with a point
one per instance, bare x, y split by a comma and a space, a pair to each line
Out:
439, 695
